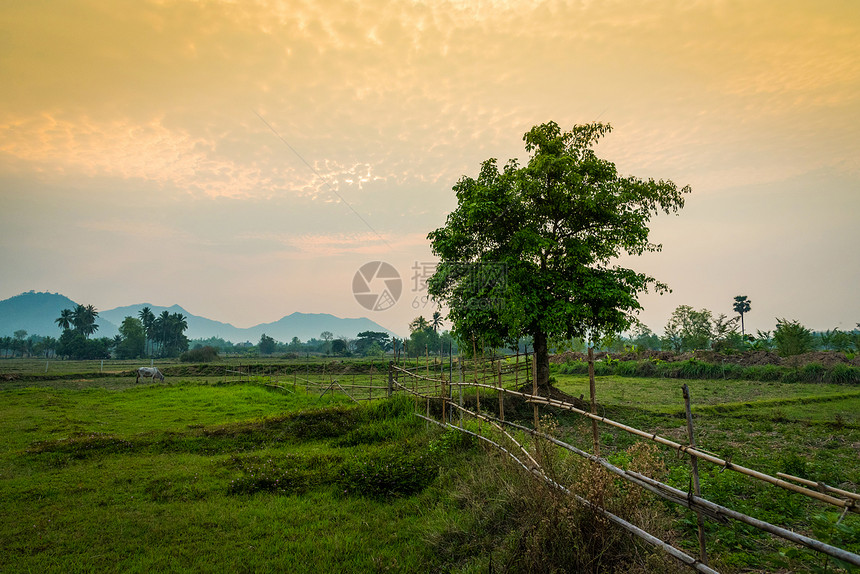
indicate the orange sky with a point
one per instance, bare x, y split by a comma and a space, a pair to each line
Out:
134, 166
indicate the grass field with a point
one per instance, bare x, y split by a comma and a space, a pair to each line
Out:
100, 474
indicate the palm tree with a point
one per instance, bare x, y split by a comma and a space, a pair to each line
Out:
418, 324
741, 306
84, 320
147, 318
436, 321
64, 321
160, 328
6, 345
90, 316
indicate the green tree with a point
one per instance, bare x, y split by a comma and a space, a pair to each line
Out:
147, 318
792, 338
267, 345
7, 345
762, 341
64, 321
741, 306
295, 345
688, 329
49, 345
418, 324
132, 343
724, 334
340, 347
436, 321
327, 336
168, 332
531, 250
84, 320
644, 339
366, 339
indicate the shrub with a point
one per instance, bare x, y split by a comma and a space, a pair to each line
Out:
387, 474
792, 338
626, 369
812, 373
205, 354
843, 374
762, 373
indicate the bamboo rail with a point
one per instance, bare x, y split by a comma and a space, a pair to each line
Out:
651, 539
850, 505
694, 502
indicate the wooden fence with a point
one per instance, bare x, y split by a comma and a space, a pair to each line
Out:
512, 376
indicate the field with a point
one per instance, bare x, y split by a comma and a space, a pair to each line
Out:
210, 473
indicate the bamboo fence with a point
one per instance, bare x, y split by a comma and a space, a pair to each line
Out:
499, 375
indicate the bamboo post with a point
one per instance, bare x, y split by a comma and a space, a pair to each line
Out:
390, 378
535, 390
517, 371
500, 392
444, 402
595, 432
461, 366
694, 464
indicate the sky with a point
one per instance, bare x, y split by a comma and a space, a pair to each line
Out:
245, 159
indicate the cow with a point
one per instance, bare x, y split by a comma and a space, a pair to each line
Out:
149, 372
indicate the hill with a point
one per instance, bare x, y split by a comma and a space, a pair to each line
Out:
36, 313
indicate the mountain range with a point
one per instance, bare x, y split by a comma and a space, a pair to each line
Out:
36, 313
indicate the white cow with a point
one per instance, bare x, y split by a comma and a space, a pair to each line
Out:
149, 372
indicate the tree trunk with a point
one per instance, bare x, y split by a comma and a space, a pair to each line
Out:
541, 350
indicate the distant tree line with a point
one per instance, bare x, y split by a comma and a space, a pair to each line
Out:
148, 335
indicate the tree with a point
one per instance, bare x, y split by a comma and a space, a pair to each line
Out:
340, 347
64, 321
688, 329
724, 334
49, 345
267, 345
418, 324
132, 339
792, 338
147, 318
741, 306
530, 250
327, 336
168, 331
84, 320
644, 339
436, 321
367, 339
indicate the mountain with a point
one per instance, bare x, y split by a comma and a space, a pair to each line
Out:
302, 325
309, 325
198, 327
36, 313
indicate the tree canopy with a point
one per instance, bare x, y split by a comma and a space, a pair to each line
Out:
532, 250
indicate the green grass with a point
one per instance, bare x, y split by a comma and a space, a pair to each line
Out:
205, 476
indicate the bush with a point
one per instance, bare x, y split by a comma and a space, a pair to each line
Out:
762, 373
843, 374
387, 474
205, 354
792, 338
812, 373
